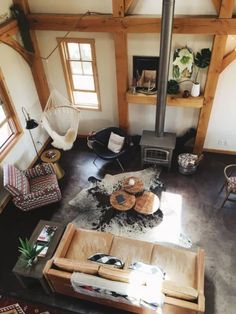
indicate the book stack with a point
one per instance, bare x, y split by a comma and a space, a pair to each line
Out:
44, 239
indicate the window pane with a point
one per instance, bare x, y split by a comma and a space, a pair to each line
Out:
2, 114
84, 98
76, 67
73, 51
5, 133
86, 53
83, 82
87, 68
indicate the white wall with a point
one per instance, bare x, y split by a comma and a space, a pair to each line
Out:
105, 57
70, 6
22, 90
4, 8
222, 126
181, 7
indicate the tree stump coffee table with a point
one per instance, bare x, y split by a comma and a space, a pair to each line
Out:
133, 185
127, 200
148, 203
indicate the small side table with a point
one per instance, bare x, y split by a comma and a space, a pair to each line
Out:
136, 188
33, 274
129, 200
147, 204
53, 156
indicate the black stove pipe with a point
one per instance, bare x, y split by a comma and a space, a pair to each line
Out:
164, 60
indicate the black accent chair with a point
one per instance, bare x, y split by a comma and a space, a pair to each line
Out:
99, 143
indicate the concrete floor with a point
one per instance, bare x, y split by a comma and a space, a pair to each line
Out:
202, 220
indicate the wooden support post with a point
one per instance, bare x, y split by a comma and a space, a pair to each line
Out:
217, 56
118, 8
120, 39
10, 41
128, 4
37, 69
217, 4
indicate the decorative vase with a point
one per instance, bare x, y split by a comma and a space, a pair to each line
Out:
195, 91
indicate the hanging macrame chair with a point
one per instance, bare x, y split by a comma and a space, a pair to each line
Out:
61, 121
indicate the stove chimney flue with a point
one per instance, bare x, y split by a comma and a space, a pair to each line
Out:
164, 60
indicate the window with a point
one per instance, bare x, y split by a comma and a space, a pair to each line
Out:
9, 125
79, 63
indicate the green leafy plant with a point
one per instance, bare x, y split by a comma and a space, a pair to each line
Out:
172, 87
29, 251
202, 60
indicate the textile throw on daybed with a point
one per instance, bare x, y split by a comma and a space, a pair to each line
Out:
95, 211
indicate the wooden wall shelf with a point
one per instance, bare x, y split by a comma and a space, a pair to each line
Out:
172, 100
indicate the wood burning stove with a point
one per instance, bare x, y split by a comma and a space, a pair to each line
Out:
157, 146
157, 150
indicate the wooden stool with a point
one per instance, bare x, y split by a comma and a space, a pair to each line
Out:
129, 200
147, 204
53, 156
135, 188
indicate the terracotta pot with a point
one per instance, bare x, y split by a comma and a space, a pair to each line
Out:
195, 91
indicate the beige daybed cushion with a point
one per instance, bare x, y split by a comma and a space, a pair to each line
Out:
75, 266
169, 288
173, 289
86, 243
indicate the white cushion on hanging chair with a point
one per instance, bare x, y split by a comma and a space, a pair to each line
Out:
62, 124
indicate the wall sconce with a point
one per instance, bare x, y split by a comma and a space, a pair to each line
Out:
30, 124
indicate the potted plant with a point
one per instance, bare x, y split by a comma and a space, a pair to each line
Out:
172, 87
201, 61
29, 251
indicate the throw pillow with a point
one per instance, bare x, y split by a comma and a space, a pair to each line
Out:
116, 142
106, 259
148, 269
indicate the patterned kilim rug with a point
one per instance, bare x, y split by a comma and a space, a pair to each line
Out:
96, 213
10, 305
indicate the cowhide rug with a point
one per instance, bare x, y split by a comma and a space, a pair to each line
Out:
96, 213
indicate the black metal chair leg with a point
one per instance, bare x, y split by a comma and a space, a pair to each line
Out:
226, 197
119, 163
95, 160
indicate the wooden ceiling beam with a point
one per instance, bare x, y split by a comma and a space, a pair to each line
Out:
11, 42
118, 8
131, 24
128, 4
10, 27
229, 58
37, 68
217, 4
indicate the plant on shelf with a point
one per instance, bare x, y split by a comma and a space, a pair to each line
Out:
29, 251
172, 87
201, 61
